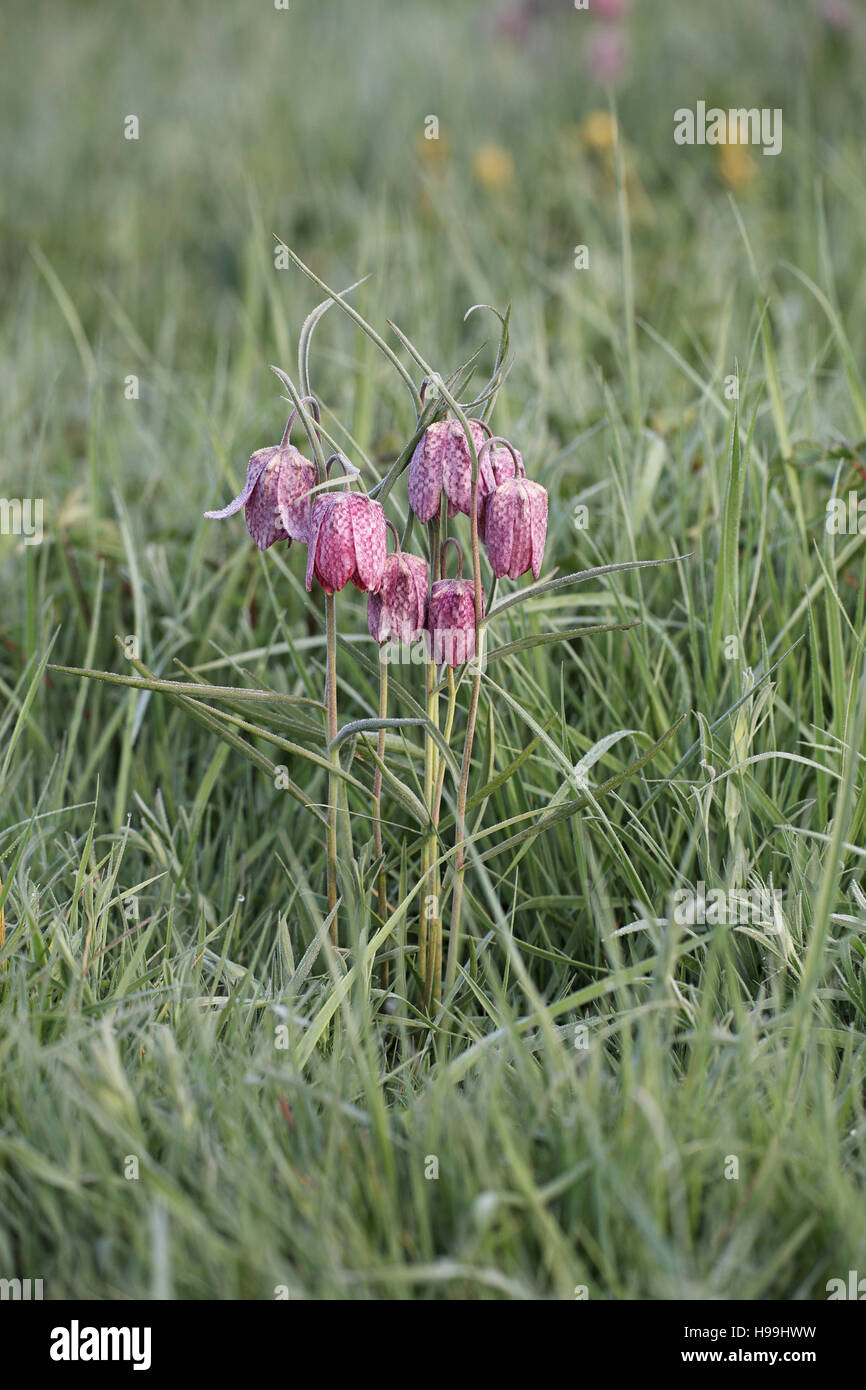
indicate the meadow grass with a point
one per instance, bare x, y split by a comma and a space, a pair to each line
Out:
199, 1096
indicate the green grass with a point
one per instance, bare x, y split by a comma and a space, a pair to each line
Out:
168, 993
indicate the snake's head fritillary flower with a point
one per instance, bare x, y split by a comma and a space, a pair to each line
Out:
399, 609
516, 528
505, 463
451, 621
275, 496
442, 462
348, 541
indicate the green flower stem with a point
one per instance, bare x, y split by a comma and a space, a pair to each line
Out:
333, 781
432, 909
430, 946
377, 799
463, 789
449, 727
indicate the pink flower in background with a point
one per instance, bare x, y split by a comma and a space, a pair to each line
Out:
348, 541
606, 53
516, 528
610, 9
511, 22
451, 621
275, 496
399, 609
838, 14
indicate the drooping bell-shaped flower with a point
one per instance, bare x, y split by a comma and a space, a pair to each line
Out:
442, 462
451, 621
348, 541
399, 610
516, 528
275, 496
505, 463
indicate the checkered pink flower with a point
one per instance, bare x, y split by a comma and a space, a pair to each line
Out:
451, 621
399, 609
516, 528
505, 463
442, 462
348, 541
275, 496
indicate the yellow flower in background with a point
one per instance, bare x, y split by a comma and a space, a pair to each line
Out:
598, 130
736, 167
493, 166
433, 151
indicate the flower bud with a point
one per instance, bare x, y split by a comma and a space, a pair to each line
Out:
451, 622
442, 461
516, 527
347, 542
399, 609
275, 496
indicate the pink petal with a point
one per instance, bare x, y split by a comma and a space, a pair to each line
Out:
320, 510
389, 593
369, 538
499, 532
520, 504
457, 465
374, 618
255, 468
502, 464
402, 605
539, 528
335, 561
502, 469
418, 571
296, 477
425, 472
263, 517
451, 621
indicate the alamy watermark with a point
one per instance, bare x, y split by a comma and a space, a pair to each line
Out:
693, 907
453, 646
737, 126
846, 516
852, 1288
20, 1290
77, 1343
22, 516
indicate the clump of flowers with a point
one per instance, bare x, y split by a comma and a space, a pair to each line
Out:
468, 490
456, 468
